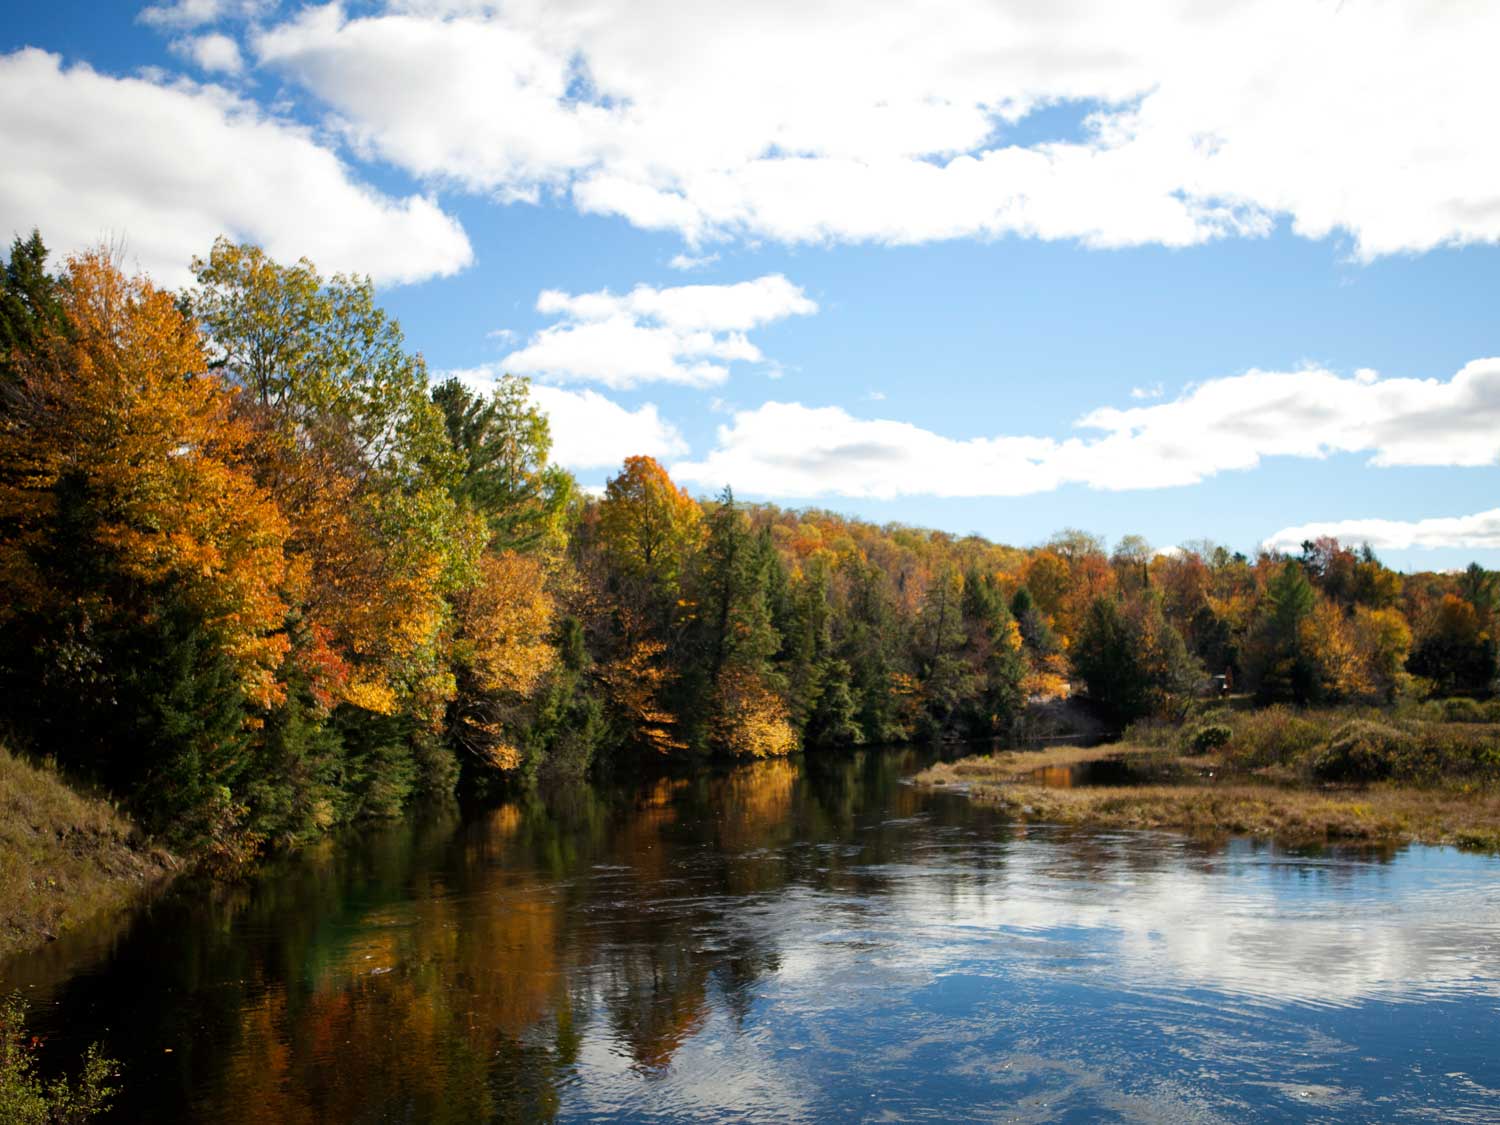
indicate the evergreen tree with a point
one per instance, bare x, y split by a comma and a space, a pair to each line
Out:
1278, 663
502, 443
997, 665
31, 306
1107, 657
736, 638
946, 678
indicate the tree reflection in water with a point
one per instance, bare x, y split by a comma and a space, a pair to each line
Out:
580, 947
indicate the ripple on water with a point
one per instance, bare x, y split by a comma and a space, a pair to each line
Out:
801, 943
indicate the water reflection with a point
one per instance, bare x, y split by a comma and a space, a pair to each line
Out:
798, 942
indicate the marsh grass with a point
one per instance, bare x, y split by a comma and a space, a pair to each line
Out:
1312, 776
64, 856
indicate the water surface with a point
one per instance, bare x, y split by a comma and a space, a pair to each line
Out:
796, 942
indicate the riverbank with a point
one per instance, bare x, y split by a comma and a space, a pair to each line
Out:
1151, 787
65, 857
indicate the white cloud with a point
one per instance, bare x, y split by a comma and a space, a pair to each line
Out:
788, 449
1155, 390
687, 262
894, 122
200, 13
215, 53
1479, 532
186, 163
590, 431
684, 334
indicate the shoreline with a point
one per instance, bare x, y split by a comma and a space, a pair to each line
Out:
1221, 801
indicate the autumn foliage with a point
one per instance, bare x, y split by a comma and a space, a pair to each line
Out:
260, 577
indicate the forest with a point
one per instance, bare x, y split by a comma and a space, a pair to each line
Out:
261, 576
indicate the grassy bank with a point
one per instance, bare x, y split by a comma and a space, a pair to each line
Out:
1297, 776
64, 857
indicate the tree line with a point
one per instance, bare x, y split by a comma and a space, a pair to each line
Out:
259, 576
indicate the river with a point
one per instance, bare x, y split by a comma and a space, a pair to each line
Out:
794, 941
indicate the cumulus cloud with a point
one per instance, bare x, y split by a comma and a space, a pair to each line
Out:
215, 53
187, 163
590, 431
788, 449
200, 13
684, 334
894, 122
1478, 532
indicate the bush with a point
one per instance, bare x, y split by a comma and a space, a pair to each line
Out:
1151, 732
1461, 710
1422, 753
25, 1099
1278, 735
1209, 737
1365, 751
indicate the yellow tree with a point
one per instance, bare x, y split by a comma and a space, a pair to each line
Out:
1330, 646
1383, 640
647, 524
142, 568
500, 655
359, 458
118, 443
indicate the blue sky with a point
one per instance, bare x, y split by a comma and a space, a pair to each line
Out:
926, 251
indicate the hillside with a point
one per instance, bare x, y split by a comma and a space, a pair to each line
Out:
64, 857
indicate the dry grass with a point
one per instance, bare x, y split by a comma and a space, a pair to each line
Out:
1244, 805
64, 857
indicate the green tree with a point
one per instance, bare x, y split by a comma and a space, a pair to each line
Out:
736, 638
1277, 661
945, 676
1107, 656
503, 442
993, 650
1132, 659
31, 306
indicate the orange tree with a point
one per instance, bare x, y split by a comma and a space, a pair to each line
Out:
143, 571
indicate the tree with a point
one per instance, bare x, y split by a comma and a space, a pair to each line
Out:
501, 655
1107, 657
1455, 652
1132, 564
31, 305
502, 443
736, 639
1331, 653
1132, 659
143, 570
359, 458
1278, 661
945, 677
1383, 640
647, 525
993, 651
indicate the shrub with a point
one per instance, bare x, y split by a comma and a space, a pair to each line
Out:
1278, 735
1422, 753
25, 1099
1211, 736
1461, 710
1365, 751
1150, 732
